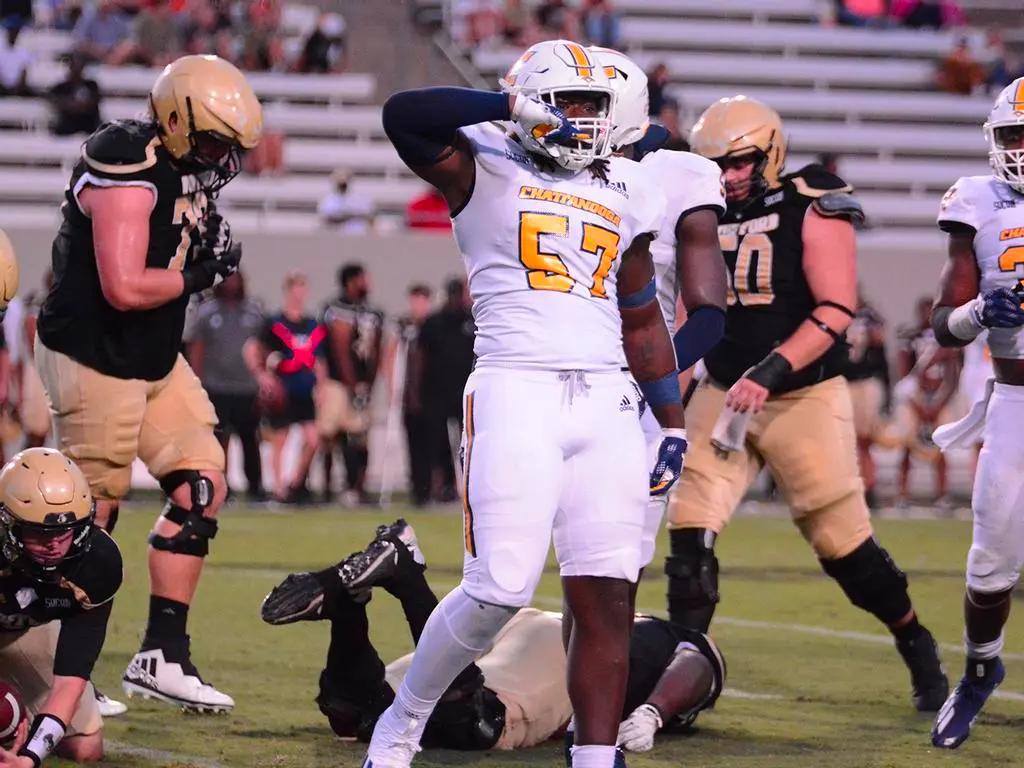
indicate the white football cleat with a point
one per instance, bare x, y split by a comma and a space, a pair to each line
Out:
151, 676
395, 741
107, 706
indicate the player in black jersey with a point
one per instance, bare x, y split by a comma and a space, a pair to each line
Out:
58, 576
775, 394
515, 695
139, 236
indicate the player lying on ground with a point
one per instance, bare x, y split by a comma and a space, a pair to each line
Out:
515, 696
58, 576
775, 394
981, 289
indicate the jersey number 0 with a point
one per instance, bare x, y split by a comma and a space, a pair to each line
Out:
546, 271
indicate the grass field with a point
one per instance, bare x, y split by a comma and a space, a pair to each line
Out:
801, 696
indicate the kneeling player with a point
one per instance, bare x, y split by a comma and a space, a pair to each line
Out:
515, 696
58, 576
789, 244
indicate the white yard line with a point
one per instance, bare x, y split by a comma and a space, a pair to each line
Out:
158, 755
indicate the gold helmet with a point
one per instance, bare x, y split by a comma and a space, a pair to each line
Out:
8, 272
207, 114
46, 514
737, 126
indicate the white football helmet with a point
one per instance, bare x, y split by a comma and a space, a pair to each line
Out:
1008, 112
556, 67
632, 100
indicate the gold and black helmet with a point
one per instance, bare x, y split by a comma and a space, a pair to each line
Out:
46, 514
737, 126
207, 114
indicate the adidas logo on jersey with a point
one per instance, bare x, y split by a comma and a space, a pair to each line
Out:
626, 404
620, 187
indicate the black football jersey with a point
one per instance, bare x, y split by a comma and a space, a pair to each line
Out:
652, 646
81, 602
76, 318
768, 295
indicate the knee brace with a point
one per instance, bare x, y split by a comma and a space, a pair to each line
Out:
692, 571
872, 582
196, 529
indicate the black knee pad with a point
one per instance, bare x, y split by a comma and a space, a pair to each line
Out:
872, 581
196, 529
692, 571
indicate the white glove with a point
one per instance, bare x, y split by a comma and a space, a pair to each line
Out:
636, 732
546, 123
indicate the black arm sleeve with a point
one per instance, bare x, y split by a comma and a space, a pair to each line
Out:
80, 642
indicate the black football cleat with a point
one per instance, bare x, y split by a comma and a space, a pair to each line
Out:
401, 531
361, 571
300, 597
929, 686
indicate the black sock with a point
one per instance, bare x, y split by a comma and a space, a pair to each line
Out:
909, 631
409, 586
167, 619
354, 669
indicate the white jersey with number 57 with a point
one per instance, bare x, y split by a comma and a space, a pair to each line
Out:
995, 211
542, 250
690, 182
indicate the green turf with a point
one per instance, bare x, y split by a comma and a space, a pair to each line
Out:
843, 702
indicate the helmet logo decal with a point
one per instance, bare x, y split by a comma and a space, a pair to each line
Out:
1017, 102
580, 61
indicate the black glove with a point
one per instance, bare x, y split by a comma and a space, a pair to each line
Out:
216, 232
209, 265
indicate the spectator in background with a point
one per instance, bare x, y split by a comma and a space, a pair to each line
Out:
830, 162
100, 30
31, 405
557, 18
444, 360
349, 212
927, 14
261, 45
959, 73
602, 23
868, 374
1003, 67
75, 101
14, 64
215, 340
355, 330
657, 79
521, 28
862, 13
324, 49
207, 29
289, 355
403, 355
155, 38
15, 14
668, 118
428, 211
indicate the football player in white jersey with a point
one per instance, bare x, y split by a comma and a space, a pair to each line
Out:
687, 255
555, 237
981, 289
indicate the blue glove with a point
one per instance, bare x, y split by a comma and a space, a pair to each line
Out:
1000, 308
669, 466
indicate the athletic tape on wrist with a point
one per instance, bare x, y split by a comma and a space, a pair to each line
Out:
46, 733
645, 295
964, 322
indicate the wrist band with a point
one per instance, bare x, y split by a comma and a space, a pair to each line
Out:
663, 391
964, 322
770, 372
645, 295
44, 736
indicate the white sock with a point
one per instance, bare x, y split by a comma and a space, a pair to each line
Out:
984, 650
594, 756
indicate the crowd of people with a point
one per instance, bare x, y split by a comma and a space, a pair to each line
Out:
893, 14
475, 23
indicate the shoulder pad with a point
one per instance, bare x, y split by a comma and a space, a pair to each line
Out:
121, 148
814, 181
839, 205
100, 574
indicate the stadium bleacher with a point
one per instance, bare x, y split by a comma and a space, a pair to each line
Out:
865, 95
